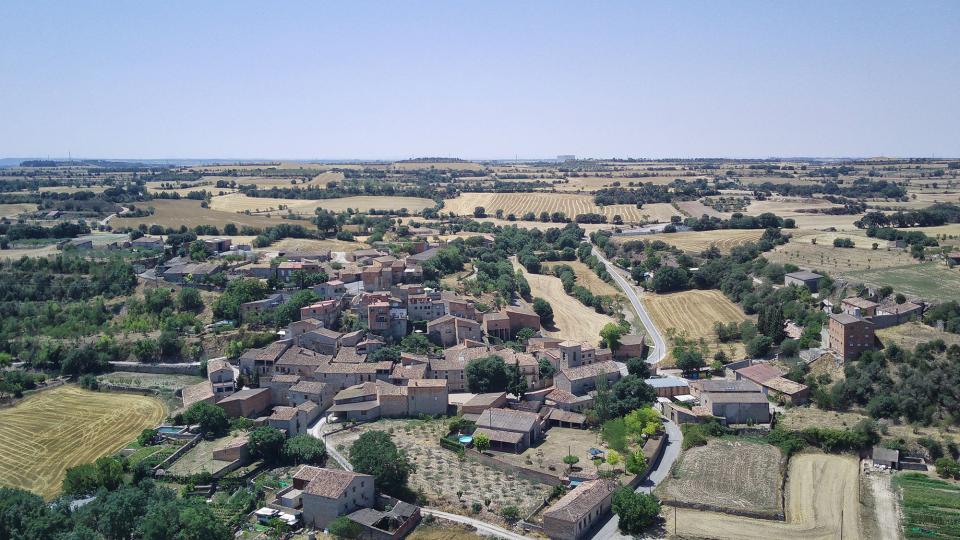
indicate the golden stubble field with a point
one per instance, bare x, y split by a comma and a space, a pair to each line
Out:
573, 320
693, 314
52, 430
174, 213
697, 241
570, 204
237, 202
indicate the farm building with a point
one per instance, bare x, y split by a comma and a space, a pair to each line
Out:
583, 379
900, 313
803, 278
759, 373
247, 403
510, 430
735, 407
450, 330
887, 457
574, 516
722, 385
787, 391
859, 307
668, 386
631, 346
850, 336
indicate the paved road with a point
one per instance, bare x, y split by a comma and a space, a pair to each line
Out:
659, 349
318, 431
609, 530
483, 528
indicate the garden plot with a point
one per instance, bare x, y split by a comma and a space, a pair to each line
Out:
448, 482
728, 476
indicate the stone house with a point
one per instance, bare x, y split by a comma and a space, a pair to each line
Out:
574, 516
328, 494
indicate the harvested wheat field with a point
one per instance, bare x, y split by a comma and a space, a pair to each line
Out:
573, 320
697, 209
172, 213
692, 314
16, 253
911, 334
54, 429
309, 244
742, 478
697, 241
238, 202
788, 206
14, 210
439, 165
586, 278
821, 490
571, 205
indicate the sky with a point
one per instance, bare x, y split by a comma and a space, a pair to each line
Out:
479, 80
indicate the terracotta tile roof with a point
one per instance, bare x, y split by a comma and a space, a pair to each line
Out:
561, 396
508, 420
760, 373
590, 371
309, 387
217, 364
785, 386
582, 500
283, 413
285, 379
330, 483
298, 356
196, 392
497, 435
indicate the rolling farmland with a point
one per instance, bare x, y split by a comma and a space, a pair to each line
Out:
573, 320
52, 430
237, 202
570, 204
839, 261
174, 213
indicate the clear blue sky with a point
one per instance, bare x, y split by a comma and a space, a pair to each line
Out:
394, 79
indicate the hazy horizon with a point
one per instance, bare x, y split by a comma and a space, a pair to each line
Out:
491, 81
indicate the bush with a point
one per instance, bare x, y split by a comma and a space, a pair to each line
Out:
948, 468
510, 513
147, 437
304, 449
266, 443
344, 527
637, 511
211, 419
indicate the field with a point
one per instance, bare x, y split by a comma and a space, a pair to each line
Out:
837, 261
570, 204
821, 490
574, 321
788, 206
931, 280
693, 313
238, 202
150, 380
587, 278
14, 210
52, 430
697, 241
174, 213
440, 474
697, 209
931, 507
200, 458
16, 253
728, 476
309, 244
911, 334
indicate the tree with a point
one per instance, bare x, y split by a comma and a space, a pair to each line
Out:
602, 399
146, 437
481, 442
759, 346
544, 310
487, 374
211, 419
570, 461
516, 382
479, 212
668, 279
610, 334
266, 443
510, 513
629, 393
304, 449
546, 368
770, 322
688, 360
416, 344
948, 468
188, 299
344, 527
639, 367
637, 511
375, 453
636, 462
613, 458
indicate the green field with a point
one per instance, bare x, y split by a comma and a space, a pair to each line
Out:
931, 507
931, 280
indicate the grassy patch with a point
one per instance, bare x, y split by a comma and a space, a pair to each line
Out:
927, 280
931, 507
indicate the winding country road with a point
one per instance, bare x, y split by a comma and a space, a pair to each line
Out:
659, 348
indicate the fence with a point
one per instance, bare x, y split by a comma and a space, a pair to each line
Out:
110, 387
523, 472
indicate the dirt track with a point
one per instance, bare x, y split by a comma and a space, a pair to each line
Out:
820, 489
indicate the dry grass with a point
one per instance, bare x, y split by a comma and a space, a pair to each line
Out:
237, 202
308, 244
16, 253
572, 319
439, 165
697, 241
822, 497
171, 213
911, 334
729, 476
572, 205
932, 281
836, 261
697, 209
14, 210
788, 206
586, 278
71, 189
825, 221
693, 314
67, 426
